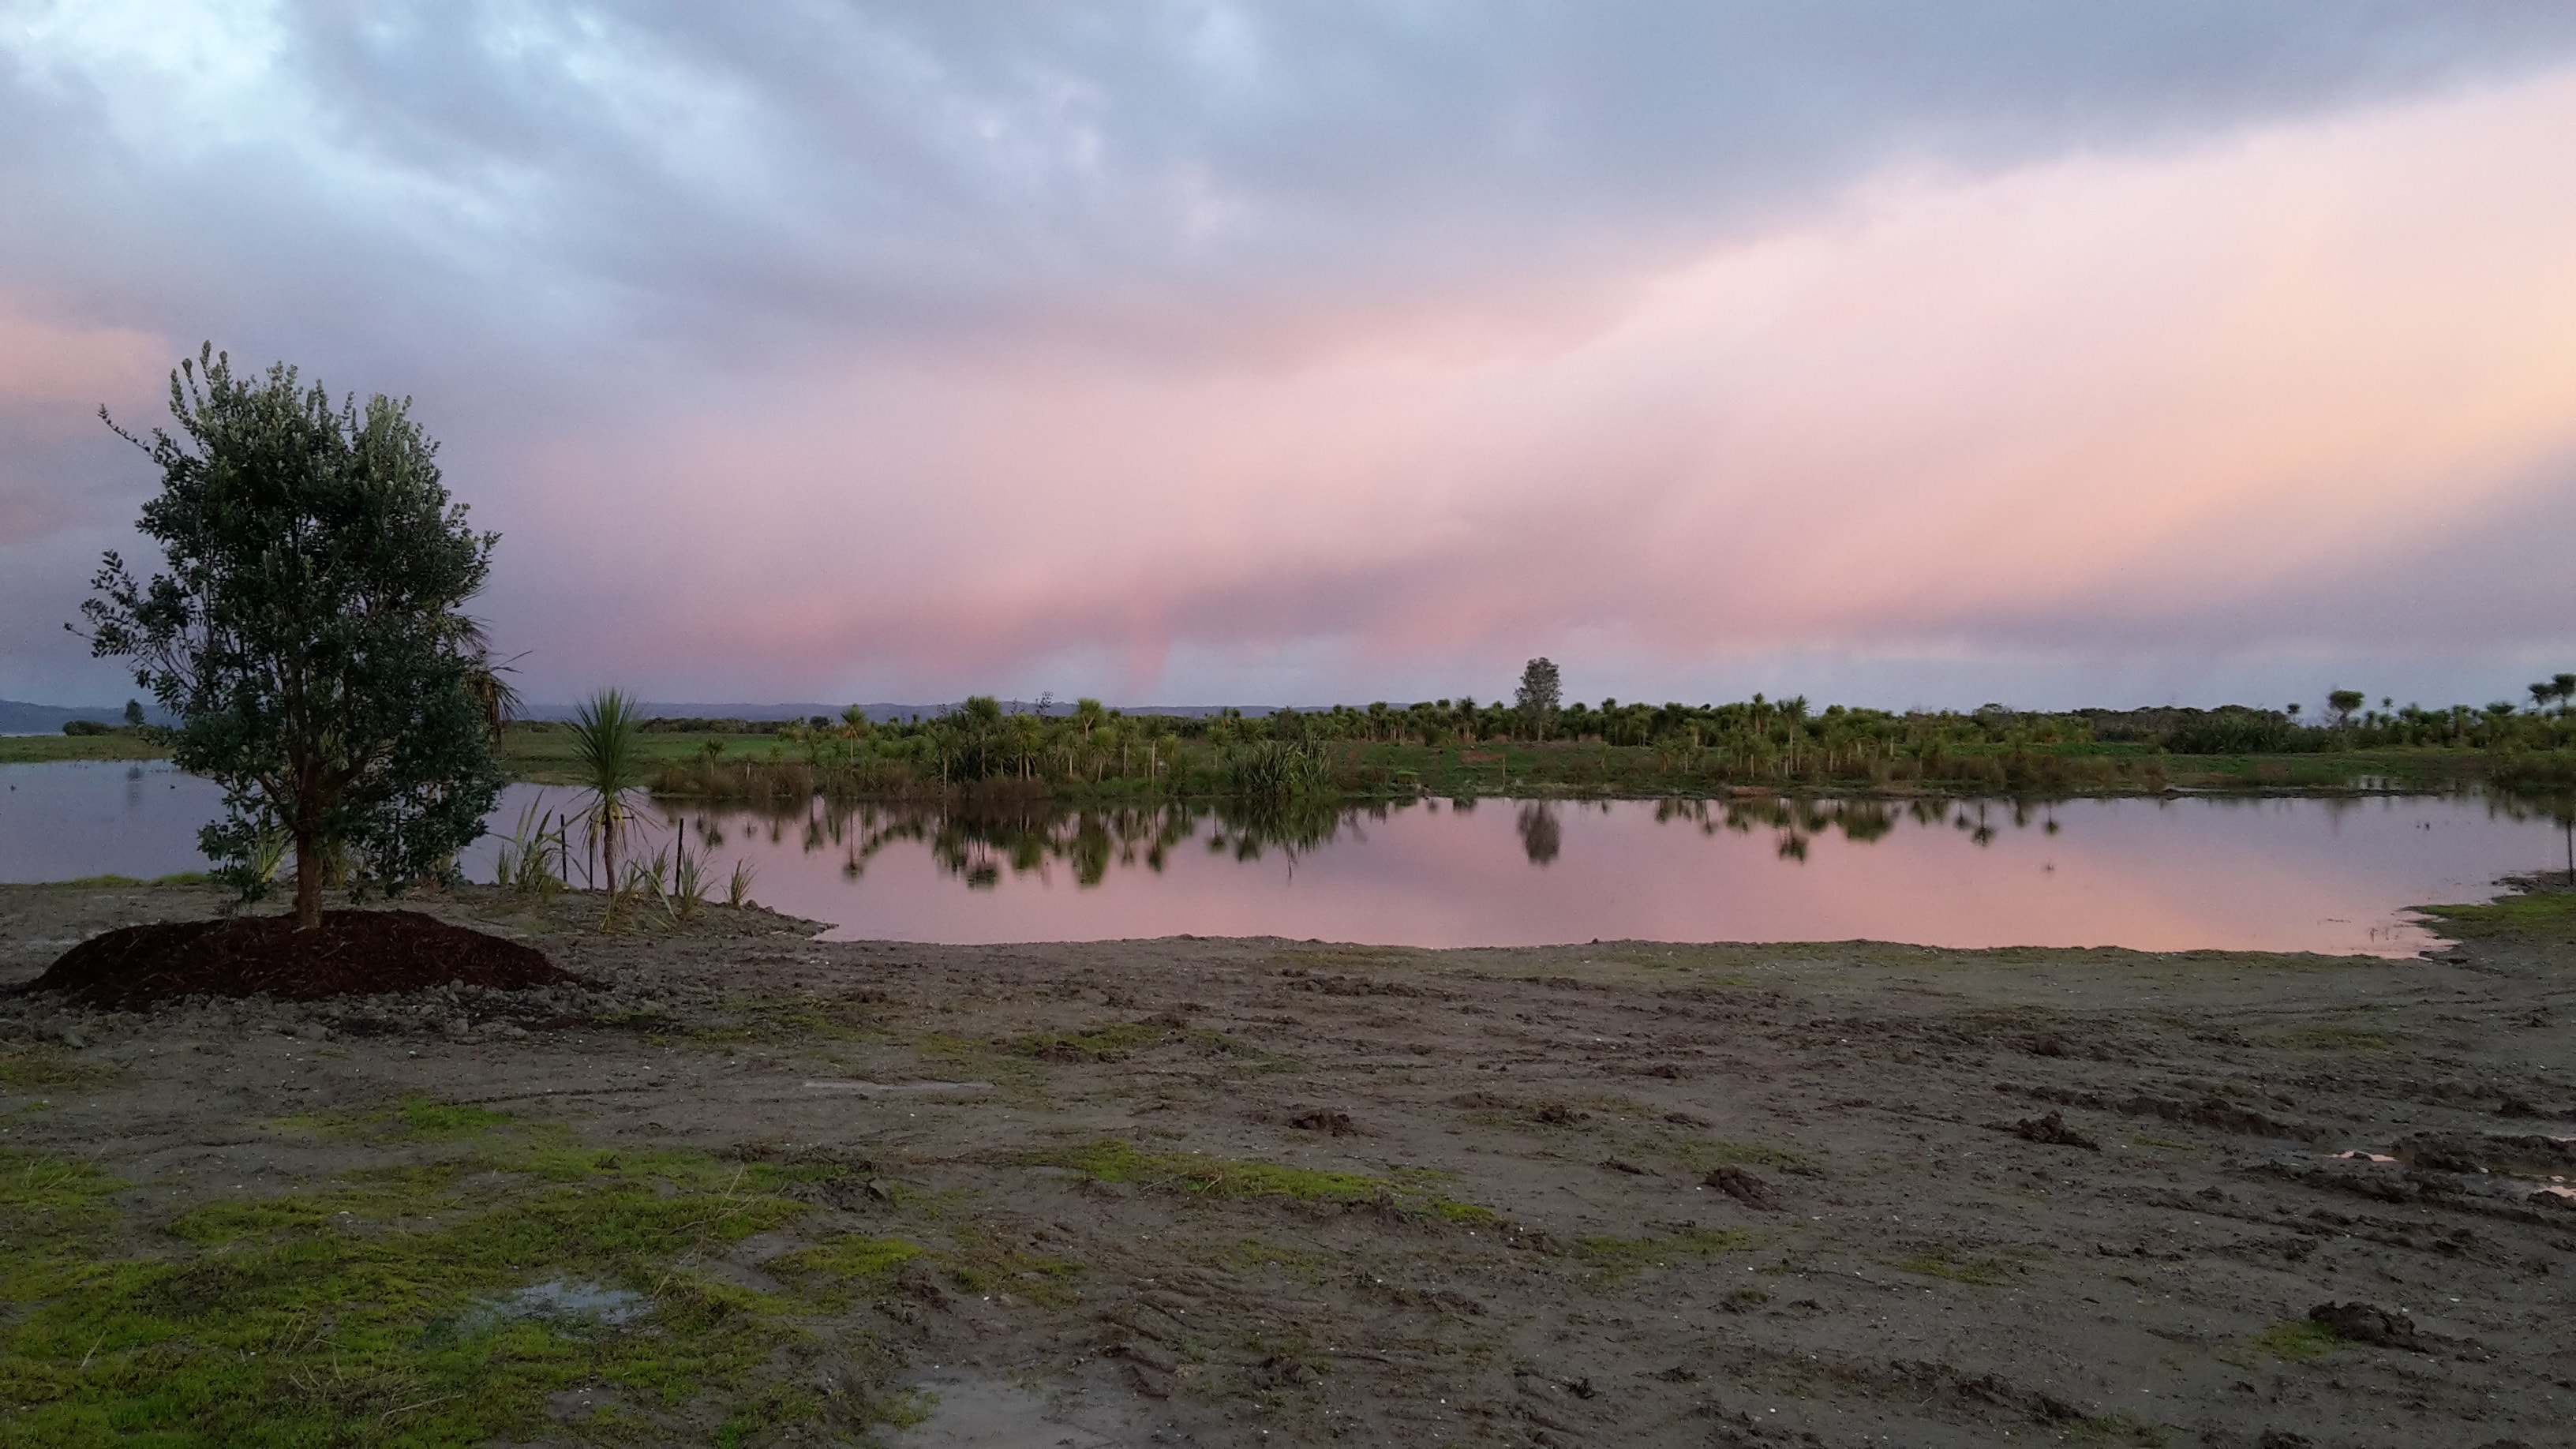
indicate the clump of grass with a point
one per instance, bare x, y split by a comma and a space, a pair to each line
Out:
1112, 1040
1984, 1272
1620, 1257
1101, 1041
837, 1272
1701, 1154
2295, 1340
983, 1268
412, 1118
1307, 1263
1110, 1160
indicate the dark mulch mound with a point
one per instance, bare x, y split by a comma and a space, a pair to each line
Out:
352, 953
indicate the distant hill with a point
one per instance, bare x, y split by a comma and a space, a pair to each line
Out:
17, 717
667, 709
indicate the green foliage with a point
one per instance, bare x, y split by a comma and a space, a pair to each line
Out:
86, 727
1540, 696
605, 732
310, 633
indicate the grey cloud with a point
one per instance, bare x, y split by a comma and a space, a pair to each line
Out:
703, 178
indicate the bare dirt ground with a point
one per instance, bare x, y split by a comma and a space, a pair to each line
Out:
1235, 1192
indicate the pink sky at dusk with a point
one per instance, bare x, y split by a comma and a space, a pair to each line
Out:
2109, 411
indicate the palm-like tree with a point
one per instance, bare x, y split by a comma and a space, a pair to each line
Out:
609, 754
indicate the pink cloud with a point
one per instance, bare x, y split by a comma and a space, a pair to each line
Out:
2094, 387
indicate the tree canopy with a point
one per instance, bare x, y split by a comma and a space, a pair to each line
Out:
309, 632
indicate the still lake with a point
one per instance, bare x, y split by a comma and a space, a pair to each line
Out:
2272, 873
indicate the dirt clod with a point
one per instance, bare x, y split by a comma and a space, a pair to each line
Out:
2364, 1323
1320, 1119
2052, 1129
1745, 1187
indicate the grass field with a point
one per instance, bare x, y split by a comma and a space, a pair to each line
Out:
545, 756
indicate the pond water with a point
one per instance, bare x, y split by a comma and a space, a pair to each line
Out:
2274, 873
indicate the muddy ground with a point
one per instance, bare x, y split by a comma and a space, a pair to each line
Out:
1274, 1192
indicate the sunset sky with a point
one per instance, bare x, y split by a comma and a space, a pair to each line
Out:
1897, 354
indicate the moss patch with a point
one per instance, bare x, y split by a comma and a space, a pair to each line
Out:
1621, 1257
1983, 1271
35, 1068
2295, 1340
1110, 1160
419, 1302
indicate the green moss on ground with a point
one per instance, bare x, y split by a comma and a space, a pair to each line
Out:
36, 1068
1984, 1272
2295, 1340
1618, 1258
1221, 1178
429, 1302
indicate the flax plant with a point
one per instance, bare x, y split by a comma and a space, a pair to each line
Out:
609, 757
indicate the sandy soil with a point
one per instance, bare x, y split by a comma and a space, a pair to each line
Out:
1754, 1195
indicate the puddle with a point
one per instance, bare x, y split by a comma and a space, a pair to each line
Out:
982, 1413
557, 1300
2332, 874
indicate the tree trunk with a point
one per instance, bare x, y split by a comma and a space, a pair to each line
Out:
308, 875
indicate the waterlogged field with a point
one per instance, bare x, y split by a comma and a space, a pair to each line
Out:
2331, 874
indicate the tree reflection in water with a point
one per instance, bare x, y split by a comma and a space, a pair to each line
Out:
1541, 835
977, 841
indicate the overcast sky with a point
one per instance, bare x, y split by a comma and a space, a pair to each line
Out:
1891, 353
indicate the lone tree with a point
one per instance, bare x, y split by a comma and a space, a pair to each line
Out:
1538, 696
309, 634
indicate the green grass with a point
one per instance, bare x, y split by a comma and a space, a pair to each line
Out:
1617, 1258
34, 1068
1226, 1179
1101, 1041
373, 1309
1700, 1154
1984, 1272
46, 749
117, 882
2544, 915
548, 757
413, 1118
2295, 1340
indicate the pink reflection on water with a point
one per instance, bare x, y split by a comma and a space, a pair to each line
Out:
2277, 874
